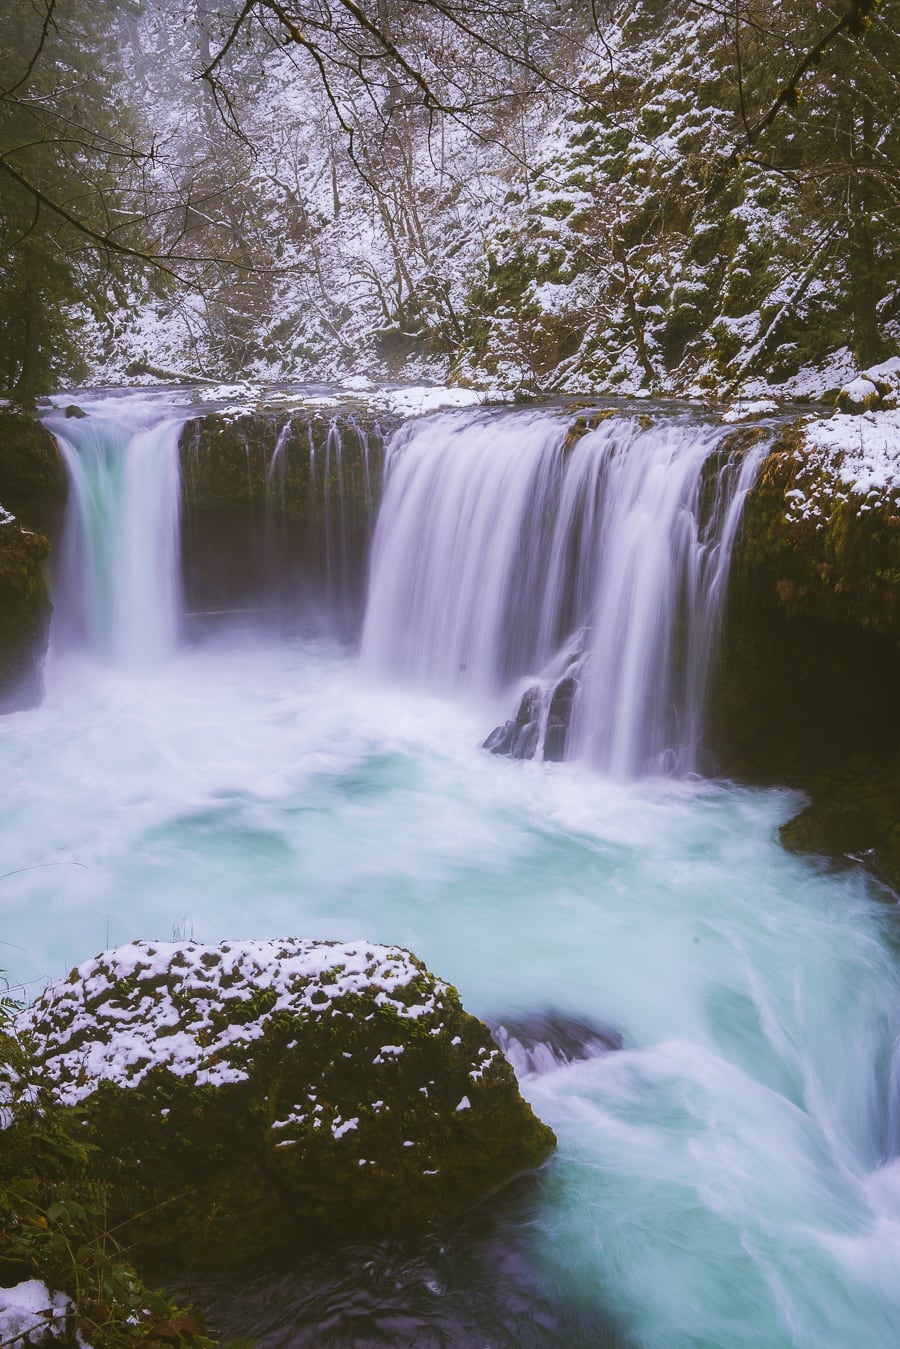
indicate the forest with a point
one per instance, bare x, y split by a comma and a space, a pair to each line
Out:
544, 198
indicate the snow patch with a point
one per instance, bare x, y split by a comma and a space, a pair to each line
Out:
31, 1314
197, 1010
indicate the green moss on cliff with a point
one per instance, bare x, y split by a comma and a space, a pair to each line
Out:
804, 686
24, 615
31, 471
304, 464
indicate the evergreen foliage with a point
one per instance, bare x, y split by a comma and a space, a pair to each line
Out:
612, 198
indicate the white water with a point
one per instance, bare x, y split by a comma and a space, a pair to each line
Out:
728, 1179
118, 590
721, 1181
497, 542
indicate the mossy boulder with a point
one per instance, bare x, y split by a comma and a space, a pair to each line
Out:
255, 1099
24, 614
854, 815
31, 470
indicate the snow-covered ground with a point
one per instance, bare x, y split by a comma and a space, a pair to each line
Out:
31, 1314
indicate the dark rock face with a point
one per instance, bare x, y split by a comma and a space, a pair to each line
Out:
278, 511
32, 487
804, 686
31, 471
252, 1100
24, 615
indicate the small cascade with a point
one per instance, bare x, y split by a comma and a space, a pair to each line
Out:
593, 559
118, 590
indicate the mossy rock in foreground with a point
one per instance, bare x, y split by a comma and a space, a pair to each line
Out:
254, 1099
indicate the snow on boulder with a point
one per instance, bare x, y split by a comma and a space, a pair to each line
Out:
858, 396
886, 378
257, 1098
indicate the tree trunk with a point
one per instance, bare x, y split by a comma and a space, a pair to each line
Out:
29, 369
863, 274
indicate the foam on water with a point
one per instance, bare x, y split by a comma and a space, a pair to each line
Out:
725, 1179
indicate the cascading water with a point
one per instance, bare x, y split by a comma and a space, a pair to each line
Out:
502, 537
286, 542
709, 1023
118, 589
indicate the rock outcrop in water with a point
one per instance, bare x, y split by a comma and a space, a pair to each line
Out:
31, 479
253, 1099
541, 725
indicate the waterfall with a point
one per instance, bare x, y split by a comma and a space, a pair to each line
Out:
525, 544
277, 517
119, 588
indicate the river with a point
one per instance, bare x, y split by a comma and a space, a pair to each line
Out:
728, 1176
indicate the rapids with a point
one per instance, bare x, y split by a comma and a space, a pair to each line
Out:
727, 1178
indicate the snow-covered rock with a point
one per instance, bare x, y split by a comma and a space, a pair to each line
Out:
750, 410
886, 378
31, 1314
858, 396
255, 1097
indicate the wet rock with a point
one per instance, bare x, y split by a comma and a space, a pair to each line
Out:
254, 1099
542, 1041
500, 740
559, 719
73, 410
519, 738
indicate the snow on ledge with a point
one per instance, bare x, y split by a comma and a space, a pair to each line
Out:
746, 410
419, 399
847, 458
862, 453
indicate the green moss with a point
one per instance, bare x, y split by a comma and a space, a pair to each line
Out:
247, 1173
854, 815
24, 616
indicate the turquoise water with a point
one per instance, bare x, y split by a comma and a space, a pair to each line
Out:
726, 1179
